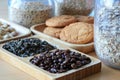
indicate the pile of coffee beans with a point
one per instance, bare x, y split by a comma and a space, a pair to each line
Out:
58, 61
28, 47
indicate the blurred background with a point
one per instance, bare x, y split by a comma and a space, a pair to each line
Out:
3, 9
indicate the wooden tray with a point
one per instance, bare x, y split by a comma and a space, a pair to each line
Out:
40, 74
22, 31
86, 48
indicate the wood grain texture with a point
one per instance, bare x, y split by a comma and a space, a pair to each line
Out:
40, 74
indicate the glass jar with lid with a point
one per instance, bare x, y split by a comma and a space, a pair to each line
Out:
107, 31
29, 12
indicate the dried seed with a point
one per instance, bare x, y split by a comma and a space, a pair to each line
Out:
107, 38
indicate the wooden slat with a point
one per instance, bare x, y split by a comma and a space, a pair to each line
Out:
40, 74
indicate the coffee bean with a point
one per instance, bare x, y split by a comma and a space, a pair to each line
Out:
74, 66
79, 64
48, 55
72, 60
60, 60
28, 47
53, 70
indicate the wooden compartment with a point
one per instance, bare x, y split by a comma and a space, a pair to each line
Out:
86, 48
40, 74
22, 31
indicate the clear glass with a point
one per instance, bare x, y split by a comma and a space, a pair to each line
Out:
73, 7
107, 31
30, 12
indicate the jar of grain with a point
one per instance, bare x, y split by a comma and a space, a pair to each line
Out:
107, 31
29, 12
73, 7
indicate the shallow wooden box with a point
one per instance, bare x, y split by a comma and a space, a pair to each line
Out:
86, 48
40, 74
22, 31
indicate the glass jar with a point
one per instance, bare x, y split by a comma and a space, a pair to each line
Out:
73, 7
29, 12
107, 31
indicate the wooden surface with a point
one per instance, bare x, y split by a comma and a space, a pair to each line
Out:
22, 31
85, 48
9, 72
40, 74
106, 73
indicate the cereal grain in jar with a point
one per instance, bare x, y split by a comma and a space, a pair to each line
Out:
107, 34
28, 13
73, 7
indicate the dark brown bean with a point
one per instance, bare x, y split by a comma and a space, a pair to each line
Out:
28, 47
58, 61
74, 66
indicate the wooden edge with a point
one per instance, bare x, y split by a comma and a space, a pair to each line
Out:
40, 74
15, 38
26, 33
81, 47
40, 33
83, 73
21, 64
